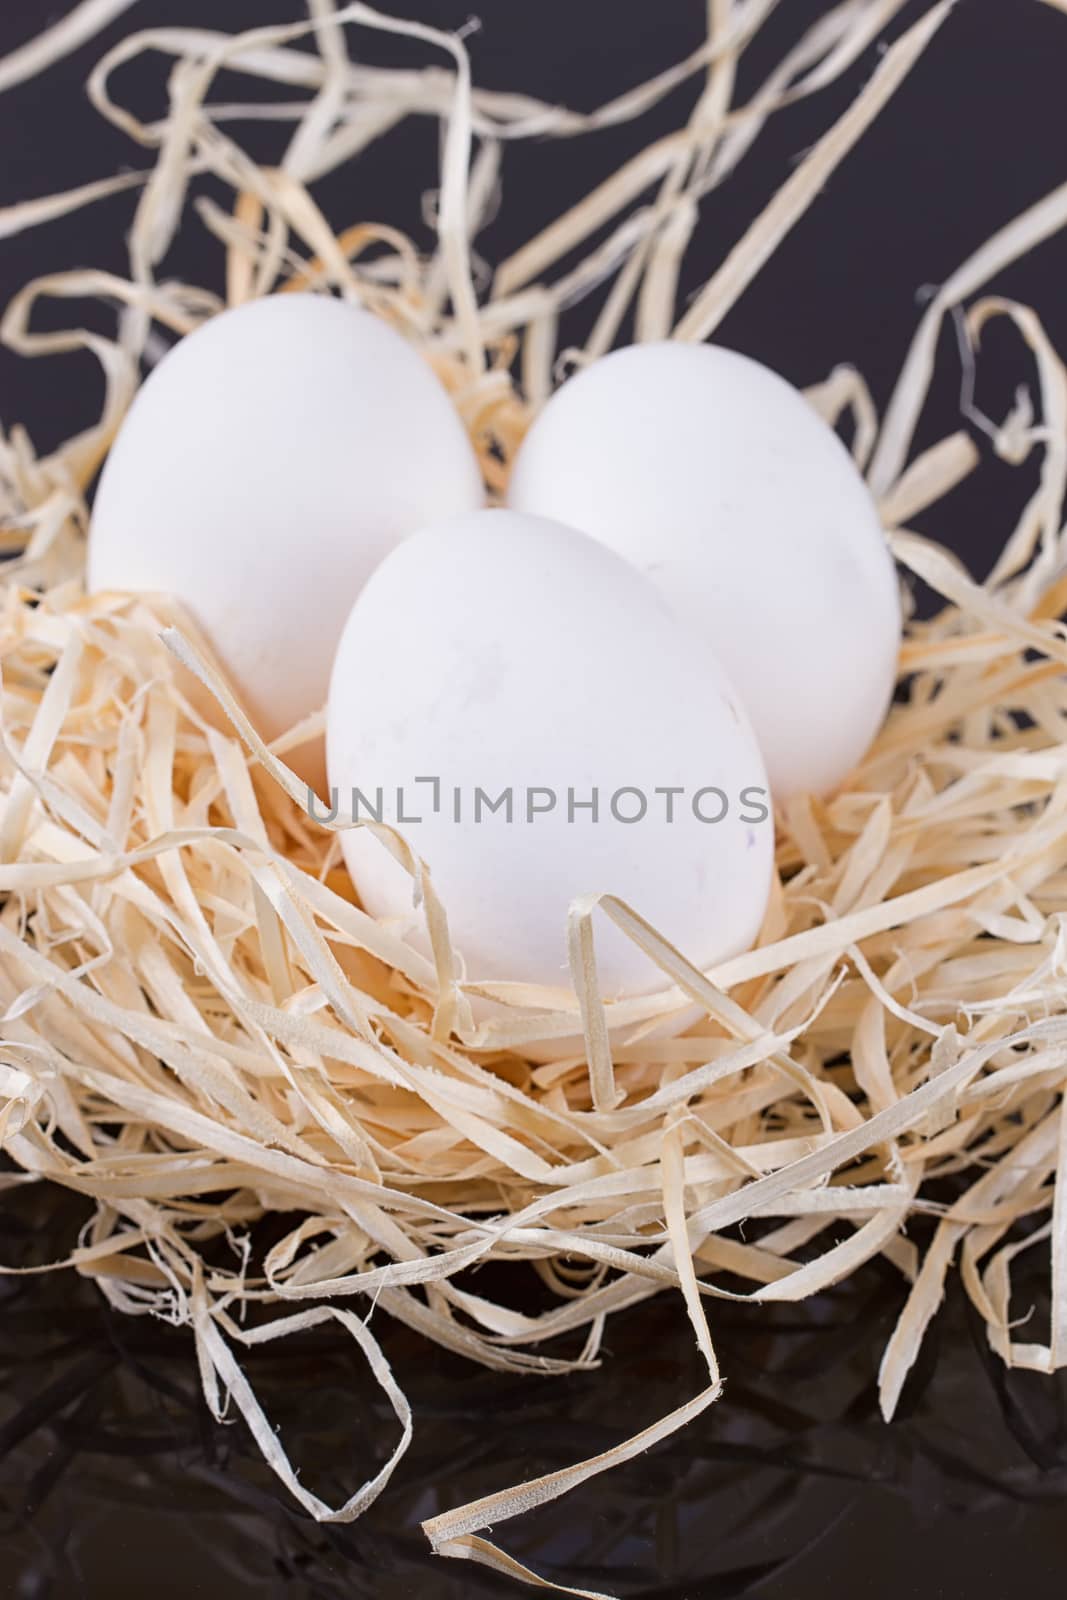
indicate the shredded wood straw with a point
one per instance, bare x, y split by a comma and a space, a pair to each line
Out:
200, 1026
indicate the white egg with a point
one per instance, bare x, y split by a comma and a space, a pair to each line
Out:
718, 479
265, 467
504, 655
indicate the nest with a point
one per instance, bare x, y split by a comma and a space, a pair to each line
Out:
199, 1027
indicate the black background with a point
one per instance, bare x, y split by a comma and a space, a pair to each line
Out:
112, 1483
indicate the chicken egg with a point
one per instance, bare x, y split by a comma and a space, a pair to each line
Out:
527, 710
264, 468
717, 479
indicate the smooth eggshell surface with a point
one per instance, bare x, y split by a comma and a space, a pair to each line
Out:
265, 467
717, 479
505, 652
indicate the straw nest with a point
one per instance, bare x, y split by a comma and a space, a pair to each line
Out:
199, 1024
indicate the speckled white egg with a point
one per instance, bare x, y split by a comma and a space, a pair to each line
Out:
717, 479
498, 655
265, 467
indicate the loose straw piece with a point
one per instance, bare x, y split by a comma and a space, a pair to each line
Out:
795, 196
61, 39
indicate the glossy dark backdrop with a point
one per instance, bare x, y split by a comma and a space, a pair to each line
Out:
112, 1482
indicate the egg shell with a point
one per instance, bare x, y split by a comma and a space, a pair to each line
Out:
265, 466
720, 481
505, 652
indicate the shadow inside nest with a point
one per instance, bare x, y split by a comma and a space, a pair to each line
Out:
115, 1481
